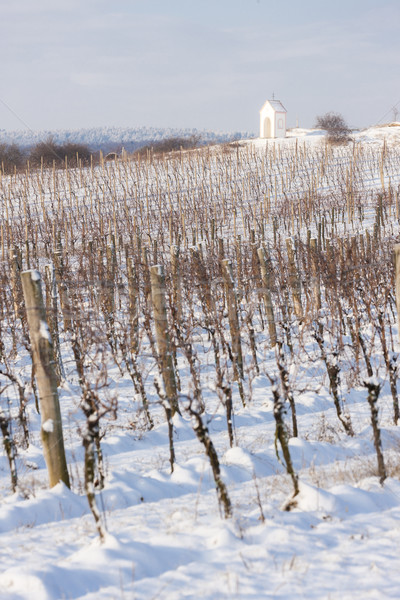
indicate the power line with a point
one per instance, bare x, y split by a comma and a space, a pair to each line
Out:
390, 110
29, 128
15, 114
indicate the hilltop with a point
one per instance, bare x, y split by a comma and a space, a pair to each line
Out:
105, 138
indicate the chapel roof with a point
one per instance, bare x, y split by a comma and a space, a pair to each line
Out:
276, 105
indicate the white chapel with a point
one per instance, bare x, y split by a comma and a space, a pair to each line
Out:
273, 120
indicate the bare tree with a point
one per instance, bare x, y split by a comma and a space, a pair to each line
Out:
335, 126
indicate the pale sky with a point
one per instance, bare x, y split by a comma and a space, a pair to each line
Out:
204, 64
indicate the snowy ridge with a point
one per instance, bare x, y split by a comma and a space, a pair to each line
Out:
98, 137
134, 137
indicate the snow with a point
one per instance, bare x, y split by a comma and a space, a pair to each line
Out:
98, 137
44, 331
35, 275
158, 269
48, 426
101, 137
276, 105
165, 535
337, 544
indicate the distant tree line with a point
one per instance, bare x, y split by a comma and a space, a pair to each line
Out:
49, 153
44, 153
11, 156
171, 144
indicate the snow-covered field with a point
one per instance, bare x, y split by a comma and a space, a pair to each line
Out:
166, 537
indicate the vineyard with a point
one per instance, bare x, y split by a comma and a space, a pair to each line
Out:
199, 374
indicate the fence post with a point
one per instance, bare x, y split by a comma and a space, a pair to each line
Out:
43, 358
52, 317
266, 294
62, 287
203, 278
294, 281
133, 293
231, 301
16, 267
397, 282
158, 293
176, 280
109, 283
315, 275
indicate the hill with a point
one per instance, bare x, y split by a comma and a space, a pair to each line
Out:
107, 138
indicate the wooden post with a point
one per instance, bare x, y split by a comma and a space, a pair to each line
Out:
294, 281
266, 294
42, 354
231, 301
316, 289
108, 285
16, 267
146, 275
397, 282
207, 297
52, 317
158, 293
62, 287
176, 281
133, 293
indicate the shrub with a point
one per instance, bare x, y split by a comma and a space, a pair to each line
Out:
171, 145
49, 152
335, 126
75, 151
10, 156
